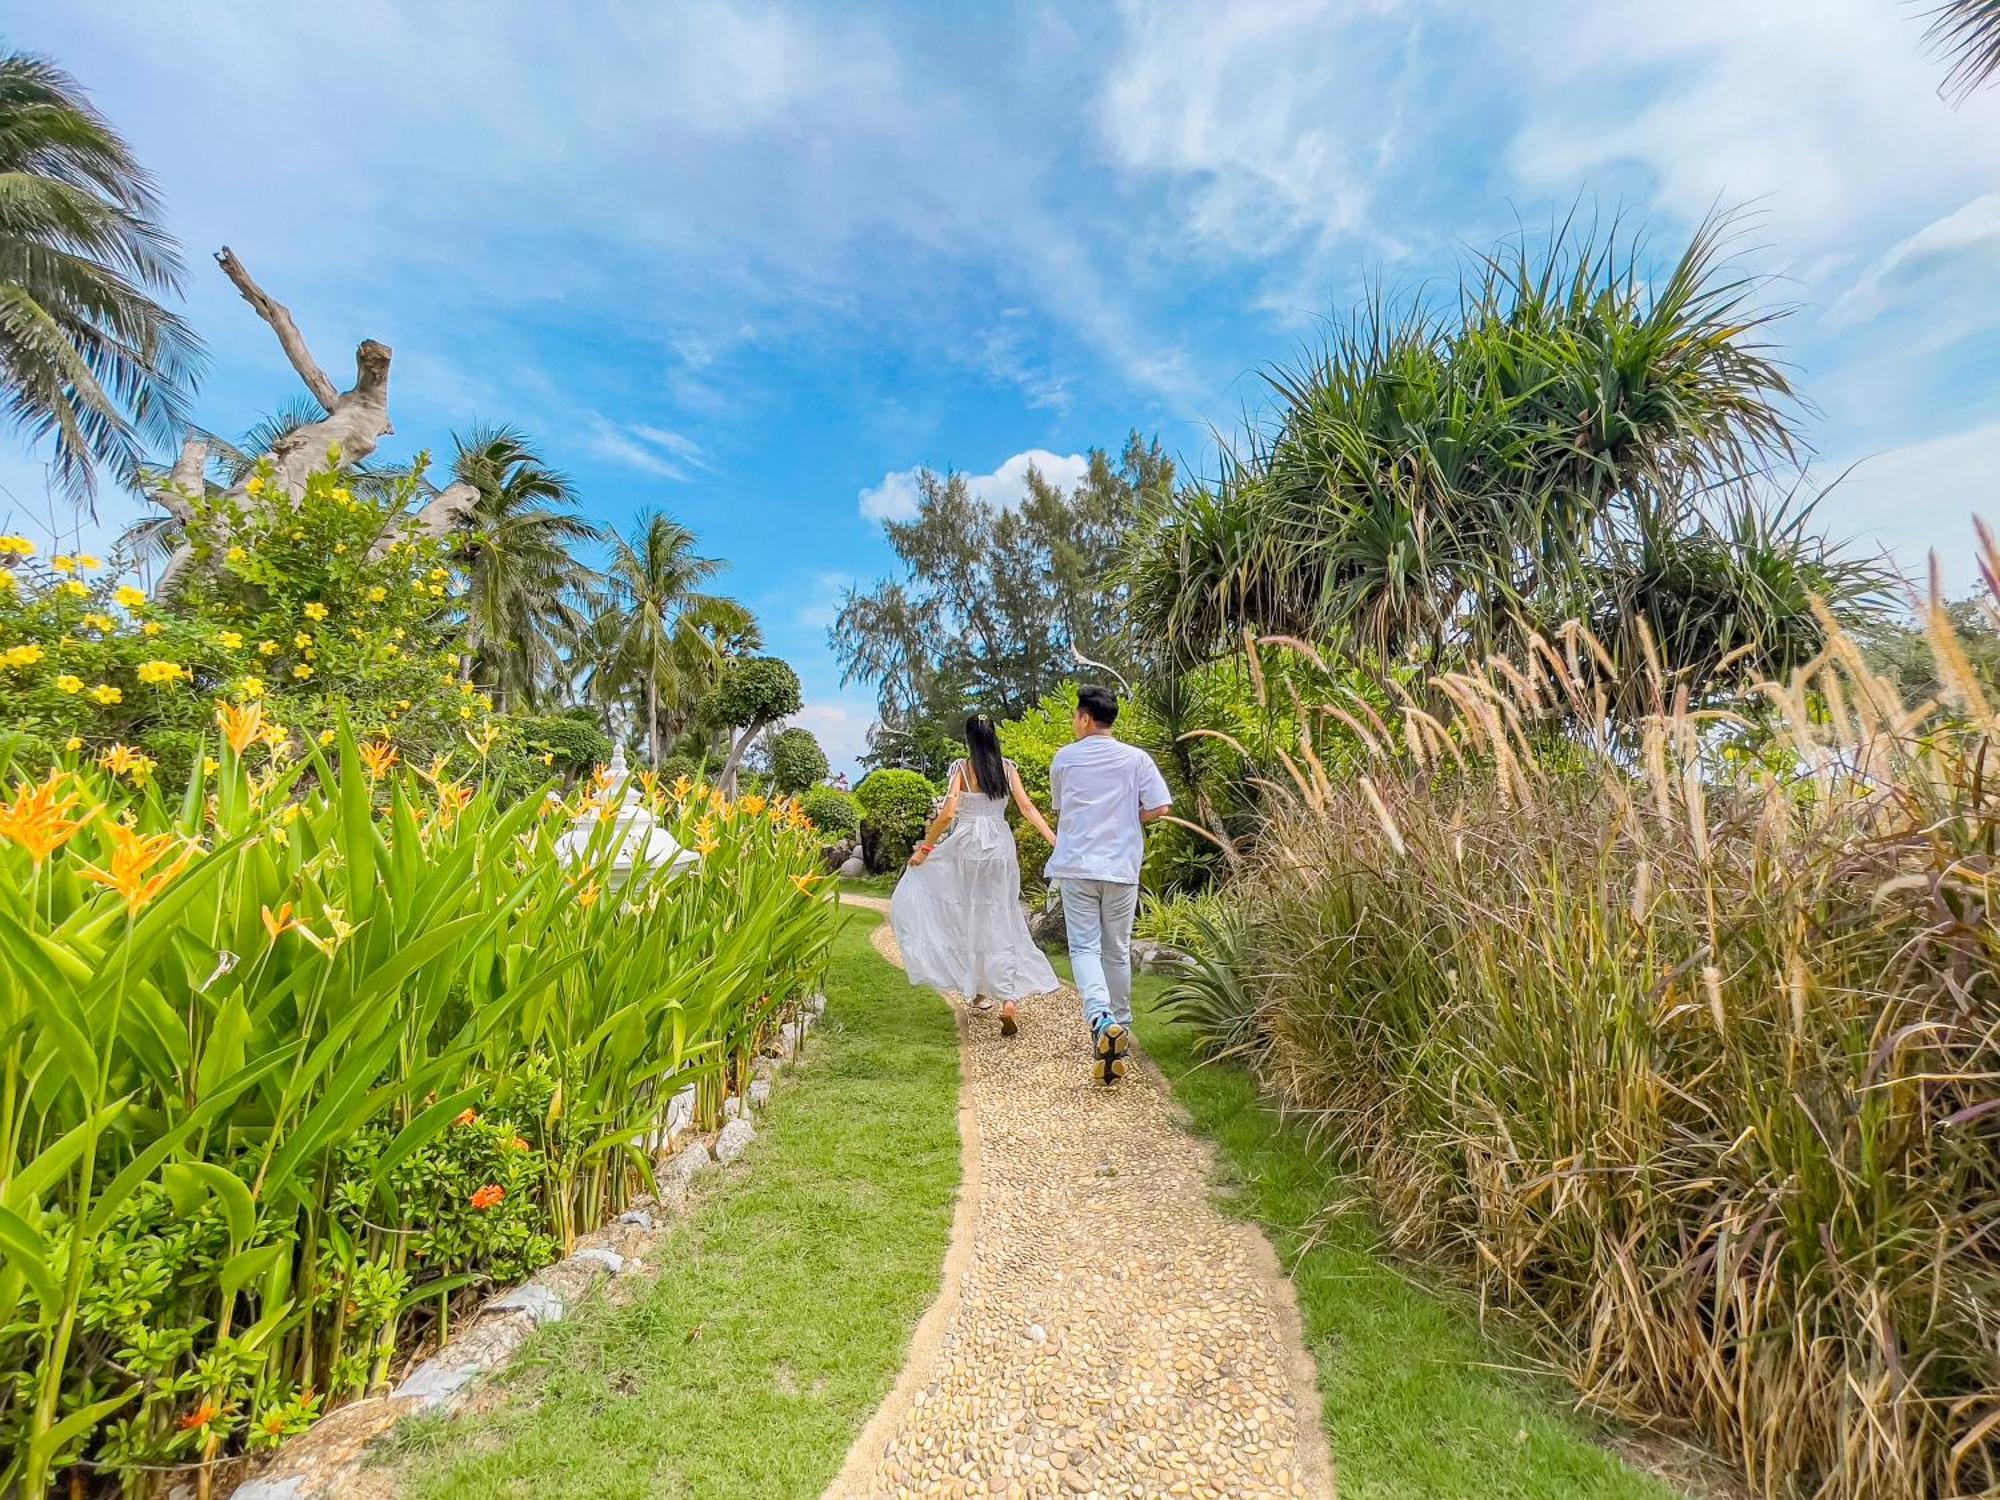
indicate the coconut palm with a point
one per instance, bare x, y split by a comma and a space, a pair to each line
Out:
518, 546
666, 639
1968, 33
89, 360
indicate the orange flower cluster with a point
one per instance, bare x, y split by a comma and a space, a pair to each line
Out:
488, 1196
133, 858
38, 817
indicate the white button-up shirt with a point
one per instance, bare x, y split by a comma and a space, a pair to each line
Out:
1099, 786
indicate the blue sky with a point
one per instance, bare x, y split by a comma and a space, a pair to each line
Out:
752, 263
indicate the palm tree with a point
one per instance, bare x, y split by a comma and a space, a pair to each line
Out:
1968, 33
88, 359
668, 639
518, 546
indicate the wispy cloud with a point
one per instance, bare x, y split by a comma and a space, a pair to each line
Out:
634, 445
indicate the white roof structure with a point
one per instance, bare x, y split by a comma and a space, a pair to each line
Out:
638, 840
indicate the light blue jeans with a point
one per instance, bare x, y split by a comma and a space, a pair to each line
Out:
1098, 914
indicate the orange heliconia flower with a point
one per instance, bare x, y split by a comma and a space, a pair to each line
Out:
379, 756
201, 1416
805, 883
467, 1117
587, 897
278, 923
242, 724
487, 1196
133, 857
37, 819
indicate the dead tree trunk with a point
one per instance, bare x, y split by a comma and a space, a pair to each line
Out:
356, 420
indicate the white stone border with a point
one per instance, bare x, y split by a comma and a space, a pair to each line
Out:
321, 1462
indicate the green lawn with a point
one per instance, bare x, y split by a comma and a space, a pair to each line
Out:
750, 1368
1413, 1405
871, 885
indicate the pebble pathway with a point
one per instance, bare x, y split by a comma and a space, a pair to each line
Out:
1110, 1332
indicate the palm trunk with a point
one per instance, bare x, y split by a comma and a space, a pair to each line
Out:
653, 721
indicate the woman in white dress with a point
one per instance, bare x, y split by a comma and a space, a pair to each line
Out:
957, 909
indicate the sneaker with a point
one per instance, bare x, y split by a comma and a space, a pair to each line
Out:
1109, 1049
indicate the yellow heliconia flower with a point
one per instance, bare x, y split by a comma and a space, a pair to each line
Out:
130, 598
682, 786
229, 640
21, 656
124, 760
314, 610
69, 682
241, 723
587, 897
106, 694
132, 860
379, 756
62, 562
751, 804
37, 819
157, 672
16, 546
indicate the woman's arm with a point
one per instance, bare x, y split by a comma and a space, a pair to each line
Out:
1029, 811
935, 830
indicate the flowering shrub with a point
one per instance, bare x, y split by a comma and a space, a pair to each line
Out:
325, 605
295, 1056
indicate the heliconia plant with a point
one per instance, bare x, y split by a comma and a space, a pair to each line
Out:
301, 1056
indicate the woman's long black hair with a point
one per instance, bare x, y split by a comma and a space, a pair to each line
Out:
989, 768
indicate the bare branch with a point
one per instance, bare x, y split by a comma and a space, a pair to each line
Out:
184, 483
280, 319
444, 510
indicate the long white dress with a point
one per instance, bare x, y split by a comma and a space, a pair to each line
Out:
958, 916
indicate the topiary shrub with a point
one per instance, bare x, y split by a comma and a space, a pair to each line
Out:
797, 762
576, 745
835, 814
895, 805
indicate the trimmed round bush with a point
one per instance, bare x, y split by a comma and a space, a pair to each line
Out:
577, 744
834, 813
797, 762
895, 805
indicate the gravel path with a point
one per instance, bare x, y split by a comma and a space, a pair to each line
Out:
1103, 1328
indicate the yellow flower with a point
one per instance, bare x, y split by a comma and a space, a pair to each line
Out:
7, 579
88, 563
303, 639
36, 818
437, 591
235, 555
157, 672
254, 485
548, 757
229, 640
21, 656
438, 573
210, 765
63, 563
16, 546
587, 897
151, 627
130, 597
392, 651
73, 744
326, 736
377, 594
74, 589
123, 760
132, 861
339, 549
101, 623
105, 693
277, 739
302, 671
465, 711
69, 682
250, 687
315, 610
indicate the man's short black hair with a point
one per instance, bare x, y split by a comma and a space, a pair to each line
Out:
1100, 703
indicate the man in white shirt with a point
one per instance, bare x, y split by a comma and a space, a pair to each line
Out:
1103, 791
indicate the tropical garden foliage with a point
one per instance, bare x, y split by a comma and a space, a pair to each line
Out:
300, 1054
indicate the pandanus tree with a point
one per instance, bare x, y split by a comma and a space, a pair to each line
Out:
1432, 482
89, 359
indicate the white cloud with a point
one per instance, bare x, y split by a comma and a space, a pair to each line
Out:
841, 726
1919, 496
650, 450
1962, 250
895, 498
